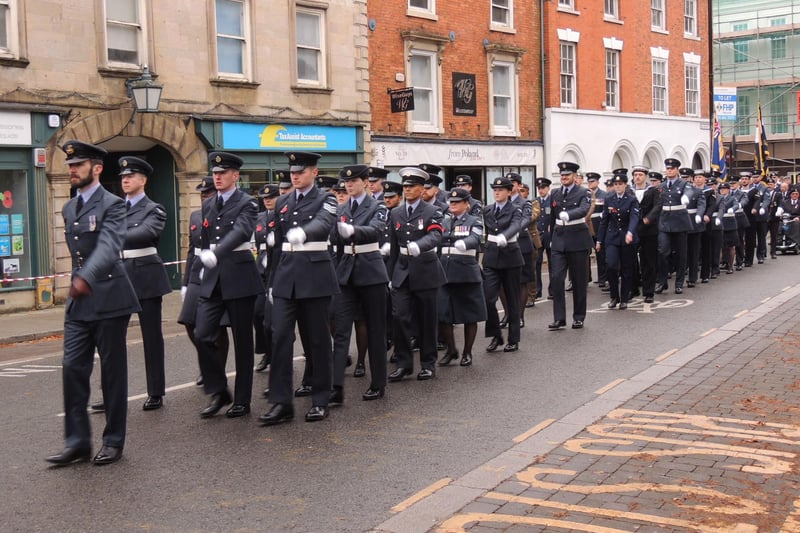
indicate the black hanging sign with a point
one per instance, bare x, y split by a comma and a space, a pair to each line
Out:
464, 94
402, 100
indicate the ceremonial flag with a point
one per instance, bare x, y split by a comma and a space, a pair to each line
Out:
762, 151
718, 151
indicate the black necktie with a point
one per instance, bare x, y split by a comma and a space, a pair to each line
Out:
563, 192
300, 197
669, 184
410, 210
497, 211
80, 204
220, 203
355, 206
127, 205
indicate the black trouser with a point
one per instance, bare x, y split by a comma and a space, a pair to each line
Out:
706, 246
740, 253
575, 263
716, 250
773, 226
153, 345
508, 279
602, 265
619, 264
262, 329
669, 243
414, 312
311, 317
80, 339
761, 240
750, 243
648, 262
539, 261
371, 301
206, 332
693, 255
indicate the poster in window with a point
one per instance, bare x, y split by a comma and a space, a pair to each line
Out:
17, 245
5, 246
464, 98
17, 224
4, 227
10, 266
15, 237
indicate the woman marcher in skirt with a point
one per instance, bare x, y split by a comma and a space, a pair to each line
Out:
727, 205
461, 300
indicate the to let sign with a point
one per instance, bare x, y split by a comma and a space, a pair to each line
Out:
464, 94
402, 100
725, 103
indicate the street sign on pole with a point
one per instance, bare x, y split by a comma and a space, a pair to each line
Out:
725, 103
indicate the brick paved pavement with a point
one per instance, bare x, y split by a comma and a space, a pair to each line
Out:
708, 442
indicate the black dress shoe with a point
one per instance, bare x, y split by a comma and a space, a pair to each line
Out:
503, 323
678, 290
440, 346
690, 284
426, 374
466, 359
107, 455
317, 413
372, 394
635, 292
263, 363
661, 288
623, 306
578, 324
773, 256
729, 271
336, 397
302, 390
277, 414
495, 344
349, 362
152, 403
448, 358
715, 275
266, 393
218, 401
738, 268
237, 410
413, 344
97, 407
613, 303
760, 261
605, 288
602, 284
530, 304
511, 347
68, 456
360, 371
648, 299
199, 381
558, 324
393, 358
521, 323
569, 287
704, 280
399, 374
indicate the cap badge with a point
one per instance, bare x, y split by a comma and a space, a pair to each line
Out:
70, 150
218, 159
349, 172
124, 162
497, 181
292, 157
454, 193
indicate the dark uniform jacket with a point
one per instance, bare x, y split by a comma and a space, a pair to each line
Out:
711, 203
729, 222
790, 209
94, 237
650, 208
545, 220
145, 222
475, 207
507, 222
533, 225
770, 200
674, 216
754, 195
265, 224
461, 268
697, 206
573, 236
361, 269
597, 210
620, 216
304, 274
228, 233
742, 221
526, 207
195, 228
424, 227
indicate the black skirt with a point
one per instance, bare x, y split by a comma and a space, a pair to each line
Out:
461, 303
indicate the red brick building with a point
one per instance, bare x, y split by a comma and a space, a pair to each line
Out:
475, 69
626, 83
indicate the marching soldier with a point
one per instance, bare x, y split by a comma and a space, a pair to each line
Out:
432, 189
645, 187
696, 208
392, 196
598, 199
262, 317
464, 181
742, 222
727, 205
617, 234
460, 300
770, 201
543, 227
760, 217
707, 236
302, 285
362, 281
571, 242
502, 261
673, 226
99, 306
526, 273
145, 221
229, 282
376, 179
415, 275
284, 181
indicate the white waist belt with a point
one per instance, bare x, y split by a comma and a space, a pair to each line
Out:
262, 247
729, 215
493, 238
674, 207
560, 222
317, 246
139, 252
404, 251
450, 250
595, 215
740, 210
197, 251
354, 249
242, 247
692, 211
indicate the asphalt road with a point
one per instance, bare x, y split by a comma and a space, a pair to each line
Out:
182, 473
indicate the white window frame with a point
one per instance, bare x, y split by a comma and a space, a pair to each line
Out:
11, 49
142, 40
568, 95
425, 12
690, 18
658, 9
509, 11
322, 53
566, 4
246, 40
612, 79
691, 73
660, 93
611, 9
512, 128
435, 103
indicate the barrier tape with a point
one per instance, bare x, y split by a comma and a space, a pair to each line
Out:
65, 274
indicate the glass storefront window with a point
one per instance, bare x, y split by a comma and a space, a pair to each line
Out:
15, 228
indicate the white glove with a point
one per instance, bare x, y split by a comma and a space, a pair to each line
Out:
761, 211
563, 215
502, 242
390, 285
264, 260
460, 245
717, 222
730, 210
183, 293
208, 258
271, 239
202, 271
345, 230
413, 249
386, 249
698, 219
269, 295
296, 236
685, 200
779, 211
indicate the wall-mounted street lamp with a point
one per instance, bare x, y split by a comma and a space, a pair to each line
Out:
145, 91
